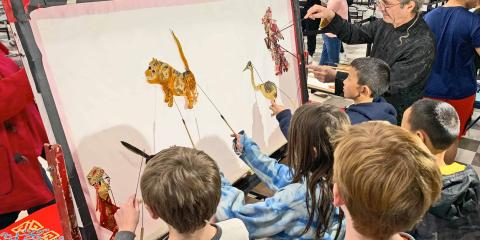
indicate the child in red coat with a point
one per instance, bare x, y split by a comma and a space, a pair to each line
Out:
22, 135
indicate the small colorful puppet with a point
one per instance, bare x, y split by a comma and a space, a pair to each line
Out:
173, 82
101, 182
268, 88
272, 42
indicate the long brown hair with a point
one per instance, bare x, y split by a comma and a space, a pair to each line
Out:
310, 156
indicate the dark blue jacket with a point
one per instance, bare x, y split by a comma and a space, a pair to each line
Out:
379, 109
284, 118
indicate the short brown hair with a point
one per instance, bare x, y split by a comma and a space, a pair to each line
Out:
386, 176
182, 186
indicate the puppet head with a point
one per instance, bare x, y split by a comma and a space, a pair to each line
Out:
100, 180
157, 72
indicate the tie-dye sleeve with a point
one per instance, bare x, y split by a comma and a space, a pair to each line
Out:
275, 175
276, 216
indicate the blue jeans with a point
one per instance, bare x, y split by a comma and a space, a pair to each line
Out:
331, 51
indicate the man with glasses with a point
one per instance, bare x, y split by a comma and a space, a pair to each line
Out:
401, 38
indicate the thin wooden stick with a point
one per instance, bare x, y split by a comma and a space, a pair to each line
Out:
138, 180
295, 56
184, 124
340, 69
216, 108
289, 26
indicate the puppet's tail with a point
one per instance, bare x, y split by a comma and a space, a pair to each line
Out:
180, 50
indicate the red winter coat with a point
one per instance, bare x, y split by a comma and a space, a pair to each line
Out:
21, 140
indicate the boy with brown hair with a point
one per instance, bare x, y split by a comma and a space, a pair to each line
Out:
384, 180
457, 213
181, 186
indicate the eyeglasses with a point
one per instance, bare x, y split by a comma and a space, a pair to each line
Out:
382, 4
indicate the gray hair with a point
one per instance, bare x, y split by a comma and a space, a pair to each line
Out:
418, 4
439, 120
374, 73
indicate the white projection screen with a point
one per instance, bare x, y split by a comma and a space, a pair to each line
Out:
95, 55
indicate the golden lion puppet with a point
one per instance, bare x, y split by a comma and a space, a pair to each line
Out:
173, 82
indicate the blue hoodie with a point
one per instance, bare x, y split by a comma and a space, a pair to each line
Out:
379, 109
282, 216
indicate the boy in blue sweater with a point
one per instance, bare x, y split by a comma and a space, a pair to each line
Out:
368, 79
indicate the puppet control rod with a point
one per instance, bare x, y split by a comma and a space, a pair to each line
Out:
184, 124
216, 108
147, 157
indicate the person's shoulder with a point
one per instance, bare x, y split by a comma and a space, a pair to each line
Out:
423, 29
463, 14
459, 172
431, 17
469, 170
293, 188
380, 101
476, 15
233, 229
433, 12
423, 37
423, 25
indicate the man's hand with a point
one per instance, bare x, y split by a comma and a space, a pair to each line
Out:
276, 108
324, 74
317, 11
128, 214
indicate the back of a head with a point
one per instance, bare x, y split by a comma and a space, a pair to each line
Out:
182, 186
310, 155
386, 177
374, 73
311, 127
437, 119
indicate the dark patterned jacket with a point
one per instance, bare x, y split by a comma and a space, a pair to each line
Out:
457, 214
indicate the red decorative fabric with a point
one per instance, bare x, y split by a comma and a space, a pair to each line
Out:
43, 224
107, 211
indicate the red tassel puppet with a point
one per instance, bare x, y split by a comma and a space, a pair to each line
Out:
272, 39
101, 181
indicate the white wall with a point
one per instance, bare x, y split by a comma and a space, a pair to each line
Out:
95, 56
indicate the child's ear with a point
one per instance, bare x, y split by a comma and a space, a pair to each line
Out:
337, 197
365, 91
421, 135
426, 140
152, 214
